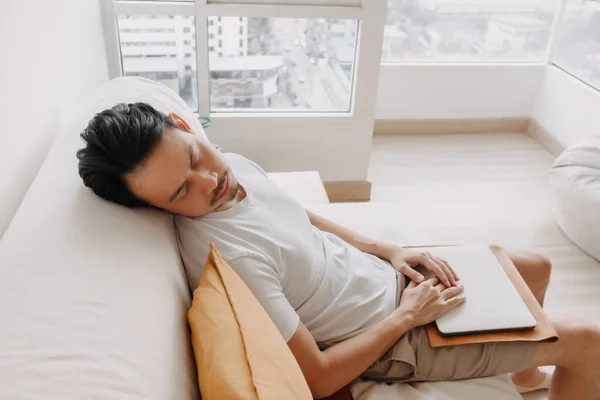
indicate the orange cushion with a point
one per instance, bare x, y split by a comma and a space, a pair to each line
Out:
239, 352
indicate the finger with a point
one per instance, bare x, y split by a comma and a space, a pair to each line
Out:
456, 277
433, 281
449, 282
451, 292
447, 271
431, 265
455, 302
410, 273
411, 285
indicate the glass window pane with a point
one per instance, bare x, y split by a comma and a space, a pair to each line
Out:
281, 64
161, 48
578, 47
468, 30
345, 3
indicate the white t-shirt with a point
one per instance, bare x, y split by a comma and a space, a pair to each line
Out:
296, 271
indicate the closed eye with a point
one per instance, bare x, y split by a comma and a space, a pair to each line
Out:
185, 194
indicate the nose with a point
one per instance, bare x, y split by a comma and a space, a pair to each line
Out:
207, 181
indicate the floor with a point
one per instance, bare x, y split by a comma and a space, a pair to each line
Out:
486, 187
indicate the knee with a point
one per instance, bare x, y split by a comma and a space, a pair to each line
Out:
590, 333
577, 344
588, 337
581, 331
542, 265
534, 266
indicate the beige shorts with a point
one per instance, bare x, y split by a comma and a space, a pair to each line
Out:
413, 359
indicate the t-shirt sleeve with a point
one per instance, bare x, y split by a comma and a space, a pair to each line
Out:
264, 283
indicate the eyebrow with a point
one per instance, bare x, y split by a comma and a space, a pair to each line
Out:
180, 188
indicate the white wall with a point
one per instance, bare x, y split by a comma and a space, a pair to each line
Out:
337, 147
52, 54
457, 91
566, 108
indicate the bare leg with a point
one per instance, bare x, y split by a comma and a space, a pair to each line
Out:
577, 358
535, 270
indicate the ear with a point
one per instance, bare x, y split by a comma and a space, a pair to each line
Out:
180, 122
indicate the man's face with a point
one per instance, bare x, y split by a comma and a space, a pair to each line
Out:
184, 175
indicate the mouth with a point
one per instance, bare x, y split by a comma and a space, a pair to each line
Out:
224, 190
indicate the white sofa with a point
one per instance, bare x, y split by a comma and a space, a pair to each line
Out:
575, 178
93, 297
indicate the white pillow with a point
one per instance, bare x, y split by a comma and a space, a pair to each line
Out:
575, 178
93, 297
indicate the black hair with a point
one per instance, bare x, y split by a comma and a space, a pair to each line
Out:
117, 141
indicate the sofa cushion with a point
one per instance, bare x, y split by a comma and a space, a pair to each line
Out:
93, 297
239, 352
575, 178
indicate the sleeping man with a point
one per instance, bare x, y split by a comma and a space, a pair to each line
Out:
347, 305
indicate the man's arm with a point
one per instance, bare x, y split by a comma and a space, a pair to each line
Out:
403, 260
328, 371
361, 242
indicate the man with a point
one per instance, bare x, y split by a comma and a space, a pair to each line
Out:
339, 299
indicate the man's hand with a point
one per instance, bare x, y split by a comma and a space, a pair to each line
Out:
405, 260
428, 301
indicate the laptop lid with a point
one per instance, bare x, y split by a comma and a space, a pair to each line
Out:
492, 302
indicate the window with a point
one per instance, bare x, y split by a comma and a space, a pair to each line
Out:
292, 63
241, 30
211, 35
578, 45
211, 22
295, 2
220, 43
140, 44
220, 31
468, 30
144, 54
211, 49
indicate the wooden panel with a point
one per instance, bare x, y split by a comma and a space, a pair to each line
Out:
444, 126
340, 191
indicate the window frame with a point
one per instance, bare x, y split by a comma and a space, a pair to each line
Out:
370, 12
554, 61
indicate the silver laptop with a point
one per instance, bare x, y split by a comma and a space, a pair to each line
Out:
492, 302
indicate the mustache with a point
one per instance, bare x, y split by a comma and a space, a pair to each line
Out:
218, 189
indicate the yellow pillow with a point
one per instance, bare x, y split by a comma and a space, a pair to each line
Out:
239, 351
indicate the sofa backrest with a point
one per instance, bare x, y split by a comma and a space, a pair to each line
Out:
93, 297
22, 152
